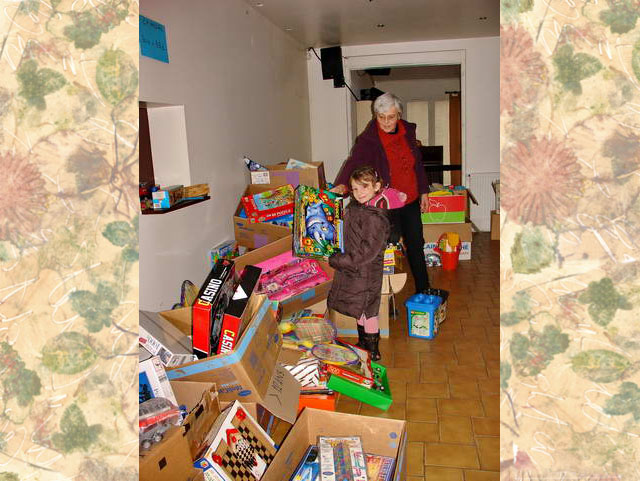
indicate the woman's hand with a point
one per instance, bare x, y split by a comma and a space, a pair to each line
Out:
424, 203
339, 189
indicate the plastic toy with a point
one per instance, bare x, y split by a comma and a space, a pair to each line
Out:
291, 279
389, 198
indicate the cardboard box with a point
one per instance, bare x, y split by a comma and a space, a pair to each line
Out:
278, 175
172, 458
296, 303
386, 437
168, 197
249, 372
465, 252
163, 339
432, 232
255, 235
495, 225
153, 381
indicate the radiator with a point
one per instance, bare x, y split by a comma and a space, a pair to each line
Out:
479, 183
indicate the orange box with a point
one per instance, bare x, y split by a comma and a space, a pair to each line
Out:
326, 402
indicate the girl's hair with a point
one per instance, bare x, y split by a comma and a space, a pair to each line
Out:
365, 174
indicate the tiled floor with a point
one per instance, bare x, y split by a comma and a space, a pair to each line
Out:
447, 388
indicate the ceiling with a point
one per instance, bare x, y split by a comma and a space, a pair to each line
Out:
324, 23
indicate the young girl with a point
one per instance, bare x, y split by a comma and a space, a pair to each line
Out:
358, 278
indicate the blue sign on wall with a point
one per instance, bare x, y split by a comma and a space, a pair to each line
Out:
153, 40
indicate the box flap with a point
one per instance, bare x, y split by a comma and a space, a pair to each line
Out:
283, 395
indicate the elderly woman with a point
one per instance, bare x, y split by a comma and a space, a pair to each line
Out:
388, 144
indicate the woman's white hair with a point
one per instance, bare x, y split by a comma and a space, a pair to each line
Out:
386, 102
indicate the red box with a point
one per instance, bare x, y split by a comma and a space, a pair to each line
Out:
269, 204
232, 322
447, 203
326, 402
209, 307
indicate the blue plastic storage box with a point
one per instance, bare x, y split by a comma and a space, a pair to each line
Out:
422, 315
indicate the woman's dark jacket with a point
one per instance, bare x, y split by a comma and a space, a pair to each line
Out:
368, 150
358, 278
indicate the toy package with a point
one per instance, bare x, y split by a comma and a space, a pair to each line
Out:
269, 205
309, 467
379, 468
291, 279
346, 361
341, 459
208, 310
240, 450
317, 223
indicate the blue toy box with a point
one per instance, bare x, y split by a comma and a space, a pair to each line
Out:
425, 312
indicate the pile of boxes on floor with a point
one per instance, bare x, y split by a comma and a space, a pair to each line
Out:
220, 377
448, 212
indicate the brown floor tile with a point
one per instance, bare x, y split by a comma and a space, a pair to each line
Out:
452, 455
486, 426
430, 373
434, 473
470, 371
415, 459
464, 390
455, 429
460, 407
481, 475
422, 432
345, 404
415, 478
403, 374
406, 359
489, 385
396, 411
427, 390
489, 450
398, 391
421, 410
491, 403
438, 358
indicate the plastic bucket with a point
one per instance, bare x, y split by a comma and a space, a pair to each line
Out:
441, 312
449, 260
421, 315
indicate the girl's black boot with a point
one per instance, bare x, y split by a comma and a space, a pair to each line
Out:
371, 342
361, 344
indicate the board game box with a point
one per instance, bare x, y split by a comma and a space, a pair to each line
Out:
309, 467
270, 204
317, 223
379, 468
341, 459
208, 309
240, 450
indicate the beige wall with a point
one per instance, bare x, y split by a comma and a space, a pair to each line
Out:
243, 84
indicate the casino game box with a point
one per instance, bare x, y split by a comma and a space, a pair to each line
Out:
208, 309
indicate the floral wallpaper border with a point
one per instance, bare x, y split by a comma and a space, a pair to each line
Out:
68, 240
570, 212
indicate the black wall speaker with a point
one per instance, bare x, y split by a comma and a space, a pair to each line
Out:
331, 59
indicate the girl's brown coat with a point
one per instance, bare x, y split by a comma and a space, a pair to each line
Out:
358, 278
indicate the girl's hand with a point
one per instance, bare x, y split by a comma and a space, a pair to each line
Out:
339, 189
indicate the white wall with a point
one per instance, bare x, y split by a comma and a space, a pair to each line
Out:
330, 140
243, 84
415, 89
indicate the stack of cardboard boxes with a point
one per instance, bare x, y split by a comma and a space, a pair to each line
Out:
448, 213
251, 371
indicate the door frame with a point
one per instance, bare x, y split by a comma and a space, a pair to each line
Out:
352, 63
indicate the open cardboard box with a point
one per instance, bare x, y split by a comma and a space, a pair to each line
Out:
250, 372
432, 232
278, 175
296, 303
172, 458
257, 234
346, 326
386, 437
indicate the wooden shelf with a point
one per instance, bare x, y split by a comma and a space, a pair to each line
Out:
178, 206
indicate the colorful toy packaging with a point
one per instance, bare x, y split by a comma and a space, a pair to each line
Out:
291, 279
270, 204
341, 459
317, 223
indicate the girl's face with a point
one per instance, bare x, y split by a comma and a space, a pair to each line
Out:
363, 192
